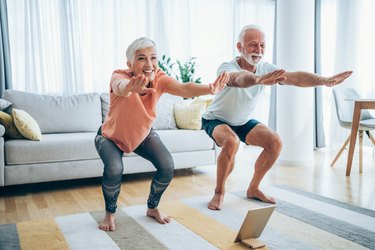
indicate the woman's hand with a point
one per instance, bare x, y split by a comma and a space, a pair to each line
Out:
337, 79
138, 85
219, 83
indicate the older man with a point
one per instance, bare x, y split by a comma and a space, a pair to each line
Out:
229, 119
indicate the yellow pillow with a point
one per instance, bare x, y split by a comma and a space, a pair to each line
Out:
11, 131
26, 125
207, 102
189, 116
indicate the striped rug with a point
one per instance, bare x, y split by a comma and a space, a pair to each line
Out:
301, 220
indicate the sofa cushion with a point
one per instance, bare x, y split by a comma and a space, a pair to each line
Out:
181, 140
80, 146
26, 125
53, 148
59, 114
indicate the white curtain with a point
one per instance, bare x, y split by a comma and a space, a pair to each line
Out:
348, 39
72, 46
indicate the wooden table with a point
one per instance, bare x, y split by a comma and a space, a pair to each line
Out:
358, 106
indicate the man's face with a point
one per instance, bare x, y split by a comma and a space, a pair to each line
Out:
252, 49
145, 62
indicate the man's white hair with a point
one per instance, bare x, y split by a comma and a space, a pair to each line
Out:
241, 36
140, 43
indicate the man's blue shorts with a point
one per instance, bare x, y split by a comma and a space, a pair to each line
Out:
241, 131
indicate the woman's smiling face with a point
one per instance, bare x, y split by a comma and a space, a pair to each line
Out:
145, 62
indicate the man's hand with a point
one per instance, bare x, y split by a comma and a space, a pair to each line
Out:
219, 83
271, 78
138, 85
337, 79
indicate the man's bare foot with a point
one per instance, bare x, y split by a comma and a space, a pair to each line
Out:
259, 195
216, 201
108, 223
159, 216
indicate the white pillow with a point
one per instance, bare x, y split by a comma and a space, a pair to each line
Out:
164, 115
26, 125
189, 116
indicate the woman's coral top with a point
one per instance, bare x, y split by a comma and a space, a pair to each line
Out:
129, 119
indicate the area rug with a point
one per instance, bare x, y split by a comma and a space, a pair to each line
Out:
301, 220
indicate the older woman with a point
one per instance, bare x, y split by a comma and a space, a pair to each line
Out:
134, 93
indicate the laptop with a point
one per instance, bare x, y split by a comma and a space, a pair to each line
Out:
253, 226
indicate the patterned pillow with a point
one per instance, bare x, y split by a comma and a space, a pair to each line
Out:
4, 104
189, 116
26, 125
11, 131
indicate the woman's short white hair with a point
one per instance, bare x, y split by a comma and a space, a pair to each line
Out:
241, 36
140, 43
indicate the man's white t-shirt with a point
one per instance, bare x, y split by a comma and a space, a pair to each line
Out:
234, 105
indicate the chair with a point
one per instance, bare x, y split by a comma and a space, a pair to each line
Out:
344, 111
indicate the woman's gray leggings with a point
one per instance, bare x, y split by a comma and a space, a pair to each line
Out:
151, 149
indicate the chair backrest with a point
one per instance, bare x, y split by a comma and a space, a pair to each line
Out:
345, 108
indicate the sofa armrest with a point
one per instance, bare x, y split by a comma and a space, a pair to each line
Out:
2, 161
2, 130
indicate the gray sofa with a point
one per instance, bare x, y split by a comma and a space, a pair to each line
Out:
66, 150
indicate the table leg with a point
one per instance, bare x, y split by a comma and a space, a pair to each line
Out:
353, 137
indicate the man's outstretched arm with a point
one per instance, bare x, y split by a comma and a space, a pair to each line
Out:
245, 79
306, 79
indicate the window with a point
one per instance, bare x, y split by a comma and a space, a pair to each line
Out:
347, 40
68, 47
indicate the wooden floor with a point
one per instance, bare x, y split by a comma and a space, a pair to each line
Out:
46, 200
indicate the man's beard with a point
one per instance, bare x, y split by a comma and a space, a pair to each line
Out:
249, 59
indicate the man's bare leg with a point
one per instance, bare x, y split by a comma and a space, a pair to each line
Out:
223, 136
108, 223
264, 162
158, 215
224, 168
271, 143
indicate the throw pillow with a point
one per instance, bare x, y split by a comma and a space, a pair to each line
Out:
207, 102
11, 131
26, 125
4, 104
164, 115
189, 116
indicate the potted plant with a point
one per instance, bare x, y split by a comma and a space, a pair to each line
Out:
186, 70
166, 65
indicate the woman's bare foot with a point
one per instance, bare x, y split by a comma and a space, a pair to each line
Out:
108, 223
159, 216
216, 201
259, 195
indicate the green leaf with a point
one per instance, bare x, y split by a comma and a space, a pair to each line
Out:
185, 70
